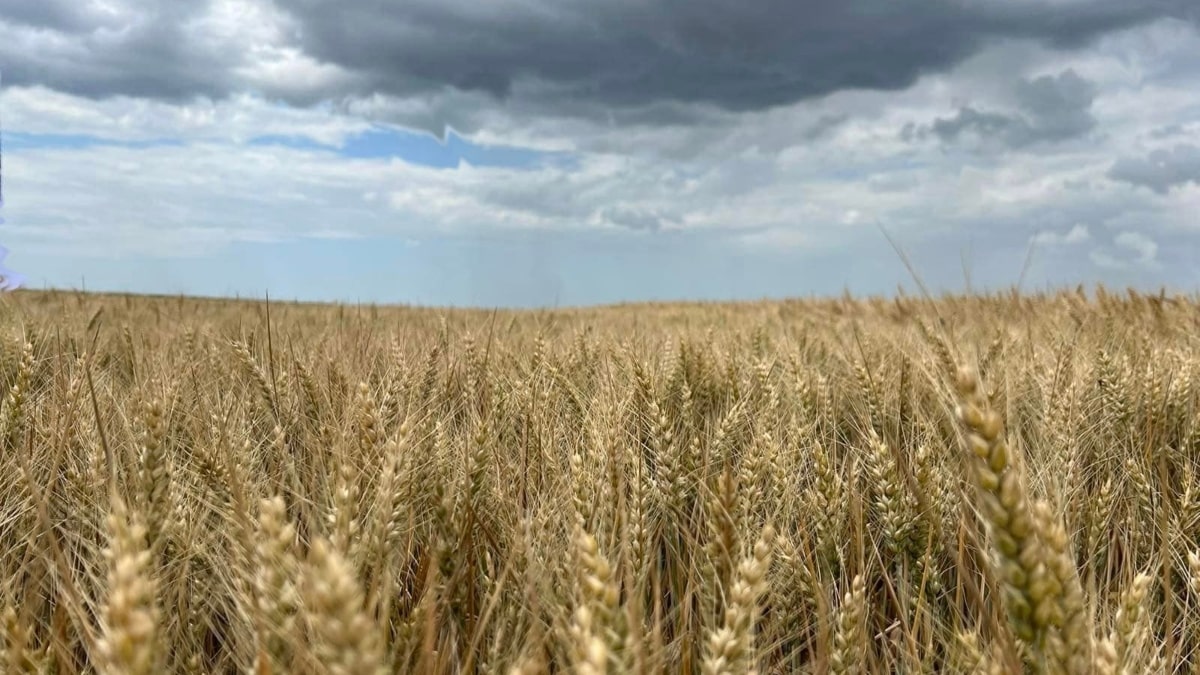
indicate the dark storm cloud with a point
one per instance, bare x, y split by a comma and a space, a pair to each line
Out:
1052, 108
736, 55
618, 54
145, 52
1161, 170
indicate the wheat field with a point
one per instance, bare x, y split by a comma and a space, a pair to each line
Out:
975, 484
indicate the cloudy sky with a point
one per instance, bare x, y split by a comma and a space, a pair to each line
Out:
563, 152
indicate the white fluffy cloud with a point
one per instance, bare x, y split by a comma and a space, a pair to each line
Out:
37, 110
1077, 234
1130, 250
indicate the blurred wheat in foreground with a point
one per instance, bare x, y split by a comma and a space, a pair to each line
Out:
984, 484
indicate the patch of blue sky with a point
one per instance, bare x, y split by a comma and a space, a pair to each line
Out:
424, 149
20, 140
378, 143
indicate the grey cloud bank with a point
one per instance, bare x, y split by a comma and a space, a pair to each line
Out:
1050, 108
623, 54
1162, 169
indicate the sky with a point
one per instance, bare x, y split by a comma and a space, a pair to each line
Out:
534, 153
